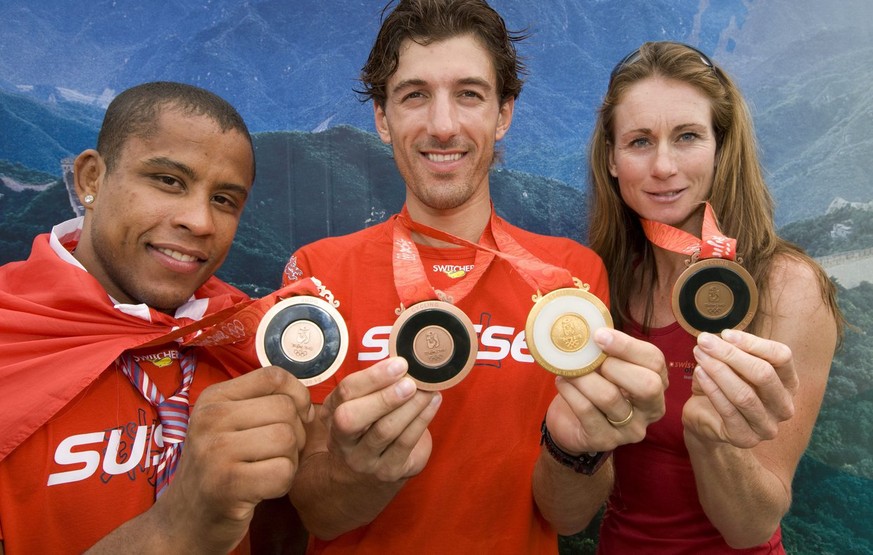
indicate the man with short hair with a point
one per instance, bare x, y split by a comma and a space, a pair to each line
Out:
96, 448
389, 468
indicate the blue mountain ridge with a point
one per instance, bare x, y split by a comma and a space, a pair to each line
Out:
295, 68
291, 68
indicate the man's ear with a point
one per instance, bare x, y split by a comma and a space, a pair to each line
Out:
504, 118
89, 170
381, 123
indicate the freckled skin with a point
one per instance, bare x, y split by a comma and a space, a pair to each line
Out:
665, 151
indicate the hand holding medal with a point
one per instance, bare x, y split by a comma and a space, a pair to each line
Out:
714, 293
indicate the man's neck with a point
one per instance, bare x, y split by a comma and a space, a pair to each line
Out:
467, 222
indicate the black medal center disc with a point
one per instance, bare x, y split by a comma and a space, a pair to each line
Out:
304, 335
713, 295
438, 342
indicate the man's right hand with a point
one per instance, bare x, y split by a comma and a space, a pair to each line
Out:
369, 436
377, 422
243, 444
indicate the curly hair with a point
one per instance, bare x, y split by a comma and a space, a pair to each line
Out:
429, 21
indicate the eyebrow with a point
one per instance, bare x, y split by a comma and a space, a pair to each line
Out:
164, 162
683, 126
477, 81
417, 82
677, 128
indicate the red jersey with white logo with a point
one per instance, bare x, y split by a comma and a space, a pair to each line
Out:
77, 439
474, 495
654, 506
91, 468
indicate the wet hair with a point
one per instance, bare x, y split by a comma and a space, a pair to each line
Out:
429, 21
135, 113
739, 195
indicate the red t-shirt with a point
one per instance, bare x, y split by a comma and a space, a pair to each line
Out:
91, 468
76, 437
654, 506
475, 494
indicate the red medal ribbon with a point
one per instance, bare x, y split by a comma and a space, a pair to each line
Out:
409, 276
543, 277
238, 322
711, 244
412, 283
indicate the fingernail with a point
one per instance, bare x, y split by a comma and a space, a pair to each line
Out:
706, 340
436, 400
405, 387
602, 337
730, 335
396, 367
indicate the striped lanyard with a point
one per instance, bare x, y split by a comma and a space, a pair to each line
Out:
173, 412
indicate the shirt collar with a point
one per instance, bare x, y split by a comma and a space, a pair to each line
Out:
63, 240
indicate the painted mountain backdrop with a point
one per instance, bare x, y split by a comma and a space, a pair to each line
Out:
804, 65
291, 68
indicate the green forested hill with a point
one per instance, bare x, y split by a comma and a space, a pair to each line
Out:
834, 486
846, 229
832, 510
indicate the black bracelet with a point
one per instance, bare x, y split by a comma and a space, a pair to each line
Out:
586, 463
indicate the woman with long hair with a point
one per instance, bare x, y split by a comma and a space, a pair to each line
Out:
684, 223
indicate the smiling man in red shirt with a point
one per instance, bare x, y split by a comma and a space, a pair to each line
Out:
389, 468
96, 389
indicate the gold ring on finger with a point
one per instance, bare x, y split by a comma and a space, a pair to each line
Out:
627, 419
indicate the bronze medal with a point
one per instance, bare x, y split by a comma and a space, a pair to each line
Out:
713, 295
304, 335
560, 328
438, 342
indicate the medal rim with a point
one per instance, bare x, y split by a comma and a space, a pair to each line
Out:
461, 317
729, 265
318, 302
534, 314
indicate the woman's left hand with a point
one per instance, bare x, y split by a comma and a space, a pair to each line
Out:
743, 387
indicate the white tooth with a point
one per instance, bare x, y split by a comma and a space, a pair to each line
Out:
444, 157
178, 255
